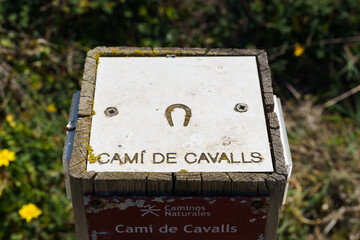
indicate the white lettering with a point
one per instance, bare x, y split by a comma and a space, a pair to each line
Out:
117, 228
186, 229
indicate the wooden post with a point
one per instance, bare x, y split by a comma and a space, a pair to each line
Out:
180, 183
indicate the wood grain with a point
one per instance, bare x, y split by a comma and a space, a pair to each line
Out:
276, 185
233, 52
159, 184
265, 81
180, 183
187, 184
249, 184
117, 183
215, 183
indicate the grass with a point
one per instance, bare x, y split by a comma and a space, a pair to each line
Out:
42, 50
323, 199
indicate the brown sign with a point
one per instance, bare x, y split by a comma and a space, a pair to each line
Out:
154, 218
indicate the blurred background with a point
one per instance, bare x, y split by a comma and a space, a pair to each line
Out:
313, 48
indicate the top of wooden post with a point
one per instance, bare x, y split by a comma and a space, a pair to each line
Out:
177, 116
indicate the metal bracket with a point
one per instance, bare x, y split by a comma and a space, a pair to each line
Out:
70, 134
285, 143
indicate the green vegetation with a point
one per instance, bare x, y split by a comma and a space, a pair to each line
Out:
43, 45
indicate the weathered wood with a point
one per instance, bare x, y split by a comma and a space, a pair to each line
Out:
277, 152
243, 184
179, 51
118, 183
262, 189
193, 51
265, 81
180, 183
248, 184
89, 70
276, 144
79, 209
232, 52
276, 185
273, 120
159, 184
81, 183
216, 183
86, 98
87, 87
263, 60
120, 51
167, 51
81, 139
187, 183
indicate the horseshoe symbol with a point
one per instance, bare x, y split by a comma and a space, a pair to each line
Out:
172, 107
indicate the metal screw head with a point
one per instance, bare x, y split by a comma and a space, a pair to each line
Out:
241, 107
71, 126
111, 111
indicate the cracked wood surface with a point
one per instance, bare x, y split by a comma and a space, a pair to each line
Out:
181, 183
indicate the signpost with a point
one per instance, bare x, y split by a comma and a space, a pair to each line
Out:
154, 218
177, 143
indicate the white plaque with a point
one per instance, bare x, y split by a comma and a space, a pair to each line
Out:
163, 114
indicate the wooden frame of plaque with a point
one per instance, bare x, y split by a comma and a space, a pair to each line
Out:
84, 182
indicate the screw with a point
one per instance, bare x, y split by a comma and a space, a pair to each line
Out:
71, 126
241, 107
111, 111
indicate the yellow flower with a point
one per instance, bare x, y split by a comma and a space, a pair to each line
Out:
299, 50
51, 108
6, 157
10, 120
29, 211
